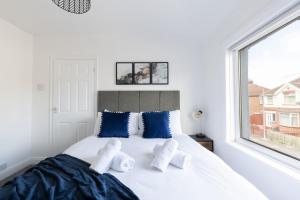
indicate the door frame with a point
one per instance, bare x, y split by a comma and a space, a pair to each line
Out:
52, 60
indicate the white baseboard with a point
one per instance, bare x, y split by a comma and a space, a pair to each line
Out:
14, 168
35, 160
19, 166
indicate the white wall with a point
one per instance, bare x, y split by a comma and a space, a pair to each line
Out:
273, 182
184, 68
16, 60
199, 75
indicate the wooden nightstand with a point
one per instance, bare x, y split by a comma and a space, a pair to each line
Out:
205, 141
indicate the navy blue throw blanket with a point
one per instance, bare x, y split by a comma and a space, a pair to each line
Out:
65, 177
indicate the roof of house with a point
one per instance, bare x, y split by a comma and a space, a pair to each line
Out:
255, 90
295, 82
272, 91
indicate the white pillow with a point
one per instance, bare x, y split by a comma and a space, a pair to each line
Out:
98, 122
175, 123
133, 125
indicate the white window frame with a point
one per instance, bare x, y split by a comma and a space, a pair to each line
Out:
280, 121
297, 116
261, 100
268, 113
233, 93
290, 119
284, 99
269, 100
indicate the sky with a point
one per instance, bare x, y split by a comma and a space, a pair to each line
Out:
276, 59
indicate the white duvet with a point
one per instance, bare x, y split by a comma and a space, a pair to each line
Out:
208, 177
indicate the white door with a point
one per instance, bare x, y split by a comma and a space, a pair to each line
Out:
270, 118
73, 98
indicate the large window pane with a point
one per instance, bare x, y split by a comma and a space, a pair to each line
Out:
270, 90
284, 119
290, 99
295, 120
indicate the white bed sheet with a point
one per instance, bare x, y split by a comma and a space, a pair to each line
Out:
208, 177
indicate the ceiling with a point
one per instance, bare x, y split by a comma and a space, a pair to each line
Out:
174, 18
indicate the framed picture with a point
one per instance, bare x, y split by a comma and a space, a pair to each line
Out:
142, 73
124, 73
160, 73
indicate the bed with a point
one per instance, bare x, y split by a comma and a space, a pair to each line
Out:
69, 175
207, 178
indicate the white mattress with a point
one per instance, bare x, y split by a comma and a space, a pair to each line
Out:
207, 178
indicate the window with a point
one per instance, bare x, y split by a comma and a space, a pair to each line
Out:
284, 119
261, 100
294, 119
270, 118
290, 99
289, 119
272, 63
269, 100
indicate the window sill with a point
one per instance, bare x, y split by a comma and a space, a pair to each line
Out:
276, 160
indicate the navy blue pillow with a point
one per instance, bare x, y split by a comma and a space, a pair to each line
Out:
114, 125
156, 125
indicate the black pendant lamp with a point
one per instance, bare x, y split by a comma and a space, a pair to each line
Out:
74, 6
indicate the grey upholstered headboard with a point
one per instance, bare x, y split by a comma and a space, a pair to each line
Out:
138, 101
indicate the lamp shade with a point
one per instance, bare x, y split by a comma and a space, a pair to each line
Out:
197, 115
74, 6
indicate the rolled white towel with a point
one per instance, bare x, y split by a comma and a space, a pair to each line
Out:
122, 162
164, 155
105, 156
180, 159
114, 142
